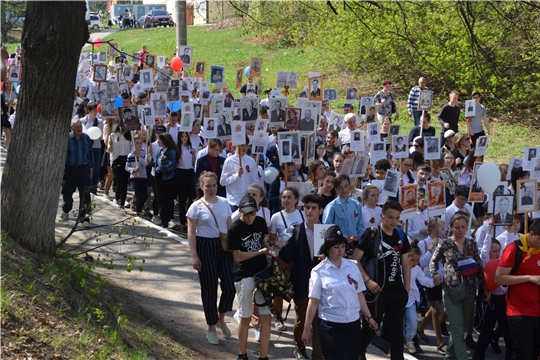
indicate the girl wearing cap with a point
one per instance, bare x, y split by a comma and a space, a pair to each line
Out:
207, 217
386, 98
335, 290
449, 144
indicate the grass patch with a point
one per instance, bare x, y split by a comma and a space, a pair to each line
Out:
57, 308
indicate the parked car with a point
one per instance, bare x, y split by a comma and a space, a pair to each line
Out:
160, 18
95, 22
143, 22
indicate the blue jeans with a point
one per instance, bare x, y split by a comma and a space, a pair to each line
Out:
96, 152
417, 114
410, 323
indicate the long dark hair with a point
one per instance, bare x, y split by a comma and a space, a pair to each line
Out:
325, 156
168, 142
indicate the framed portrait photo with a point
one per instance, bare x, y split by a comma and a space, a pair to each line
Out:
476, 194
216, 74
330, 94
351, 96
100, 73
399, 146
425, 100
292, 118
277, 107
526, 196
255, 67
436, 198
449, 179
394, 129
503, 209
200, 69
481, 146
432, 147
129, 118
146, 79
249, 109
470, 108
409, 201
150, 61
315, 89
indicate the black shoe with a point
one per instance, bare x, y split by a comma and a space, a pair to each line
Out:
300, 353
495, 346
242, 357
264, 358
444, 330
423, 336
470, 342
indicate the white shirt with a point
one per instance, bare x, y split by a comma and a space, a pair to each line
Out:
206, 225
88, 123
237, 186
426, 258
419, 222
155, 151
121, 146
414, 293
405, 178
263, 212
276, 223
187, 159
371, 217
345, 136
174, 132
337, 289
451, 210
506, 238
196, 142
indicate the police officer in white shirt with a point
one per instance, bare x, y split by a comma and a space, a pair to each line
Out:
335, 289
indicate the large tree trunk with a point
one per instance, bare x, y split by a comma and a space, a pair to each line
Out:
53, 35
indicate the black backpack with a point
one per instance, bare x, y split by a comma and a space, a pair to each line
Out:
517, 262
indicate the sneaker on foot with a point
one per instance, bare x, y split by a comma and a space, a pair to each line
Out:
127, 205
147, 213
242, 357
85, 224
106, 197
470, 342
258, 334
156, 220
212, 338
279, 326
410, 347
300, 353
224, 329
444, 329
65, 216
422, 336
441, 349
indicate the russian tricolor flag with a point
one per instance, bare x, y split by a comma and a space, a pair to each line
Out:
467, 267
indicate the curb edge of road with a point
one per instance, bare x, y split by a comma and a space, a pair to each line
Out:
166, 232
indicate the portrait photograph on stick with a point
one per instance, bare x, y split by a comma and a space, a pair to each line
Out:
476, 194
448, 177
504, 208
436, 198
315, 88
425, 99
408, 201
128, 118
526, 195
255, 67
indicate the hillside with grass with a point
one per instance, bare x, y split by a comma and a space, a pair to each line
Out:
231, 49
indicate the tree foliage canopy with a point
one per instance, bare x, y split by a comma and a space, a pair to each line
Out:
491, 46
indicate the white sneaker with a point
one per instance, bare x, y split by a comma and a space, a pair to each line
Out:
258, 334
85, 224
212, 338
106, 197
224, 329
156, 220
171, 224
65, 216
127, 205
410, 347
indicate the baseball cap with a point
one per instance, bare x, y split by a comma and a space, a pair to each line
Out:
449, 133
333, 232
248, 204
161, 129
475, 93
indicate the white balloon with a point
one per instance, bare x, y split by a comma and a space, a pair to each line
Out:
270, 174
94, 132
489, 177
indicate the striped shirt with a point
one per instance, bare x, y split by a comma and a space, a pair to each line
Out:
132, 162
412, 102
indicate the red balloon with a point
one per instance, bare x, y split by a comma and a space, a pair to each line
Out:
99, 109
177, 64
489, 274
98, 41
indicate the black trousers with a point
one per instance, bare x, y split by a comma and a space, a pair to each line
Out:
495, 312
186, 191
121, 176
76, 178
390, 304
166, 191
525, 332
140, 186
216, 264
476, 136
155, 204
339, 340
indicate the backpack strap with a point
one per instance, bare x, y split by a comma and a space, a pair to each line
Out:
283, 217
302, 216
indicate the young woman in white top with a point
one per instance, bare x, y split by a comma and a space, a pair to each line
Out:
371, 213
282, 220
315, 174
208, 256
257, 192
195, 137
184, 176
437, 232
108, 128
119, 147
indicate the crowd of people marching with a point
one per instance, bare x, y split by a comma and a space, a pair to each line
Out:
237, 215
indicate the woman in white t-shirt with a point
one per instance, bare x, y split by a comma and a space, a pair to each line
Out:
257, 192
282, 220
371, 213
207, 217
184, 176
